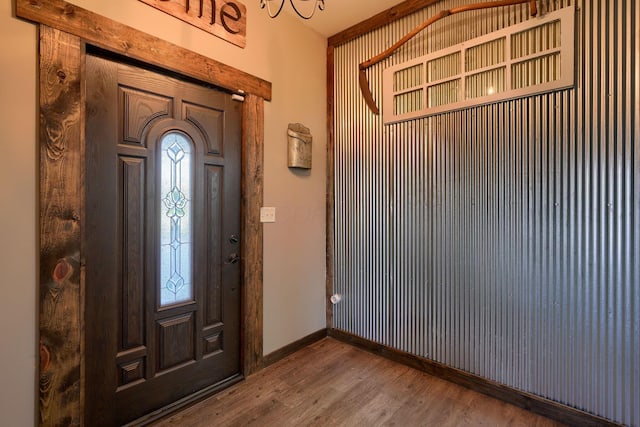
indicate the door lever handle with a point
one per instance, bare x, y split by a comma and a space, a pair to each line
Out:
233, 258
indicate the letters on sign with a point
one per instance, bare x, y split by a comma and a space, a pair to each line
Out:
226, 19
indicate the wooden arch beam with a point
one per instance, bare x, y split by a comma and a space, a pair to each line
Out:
362, 68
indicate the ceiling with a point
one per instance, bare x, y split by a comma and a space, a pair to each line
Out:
341, 14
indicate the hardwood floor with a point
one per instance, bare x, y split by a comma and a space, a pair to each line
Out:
331, 383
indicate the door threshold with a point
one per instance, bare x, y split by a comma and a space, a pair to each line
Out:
185, 402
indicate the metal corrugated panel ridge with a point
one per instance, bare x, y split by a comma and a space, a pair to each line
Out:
504, 239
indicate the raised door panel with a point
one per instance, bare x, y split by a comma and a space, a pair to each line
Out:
175, 341
139, 109
210, 121
213, 290
131, 372
132, 173
213, 344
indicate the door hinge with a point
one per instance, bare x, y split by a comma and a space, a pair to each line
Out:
238, 96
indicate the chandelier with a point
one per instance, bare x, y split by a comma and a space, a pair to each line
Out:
304, 12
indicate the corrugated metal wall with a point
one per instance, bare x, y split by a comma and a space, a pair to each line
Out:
503, 240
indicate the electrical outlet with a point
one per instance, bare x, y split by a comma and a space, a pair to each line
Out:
267, 214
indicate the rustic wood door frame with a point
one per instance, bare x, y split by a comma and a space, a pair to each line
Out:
64, 32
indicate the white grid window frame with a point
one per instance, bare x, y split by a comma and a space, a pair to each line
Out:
501, 75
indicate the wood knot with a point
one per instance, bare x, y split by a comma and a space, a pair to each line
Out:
61, 75
62, 271
45, 358
69, 9
35, 3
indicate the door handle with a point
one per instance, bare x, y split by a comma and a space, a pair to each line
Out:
233, 258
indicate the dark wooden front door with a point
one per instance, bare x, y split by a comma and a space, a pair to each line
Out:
162, 304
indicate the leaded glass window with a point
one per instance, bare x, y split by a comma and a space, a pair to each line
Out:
176, 217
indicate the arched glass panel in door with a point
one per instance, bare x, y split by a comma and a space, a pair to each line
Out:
176, 219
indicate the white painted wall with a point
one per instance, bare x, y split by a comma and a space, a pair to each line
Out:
18, 224
282, 51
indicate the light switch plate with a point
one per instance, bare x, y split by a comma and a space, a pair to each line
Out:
267, 214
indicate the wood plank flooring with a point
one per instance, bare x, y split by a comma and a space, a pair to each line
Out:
331, 383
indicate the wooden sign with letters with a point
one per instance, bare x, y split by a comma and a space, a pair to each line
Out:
226, 19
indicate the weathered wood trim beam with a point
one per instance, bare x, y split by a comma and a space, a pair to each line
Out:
383, 18
61, 220
330, 225
124, 40
252, 236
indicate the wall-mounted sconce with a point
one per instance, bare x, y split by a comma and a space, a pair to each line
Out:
304, 12
299, 138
